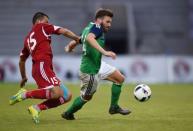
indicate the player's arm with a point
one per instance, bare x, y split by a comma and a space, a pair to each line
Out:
22, 60
52, 29
70, 46
66, 32
22, 72
92, 41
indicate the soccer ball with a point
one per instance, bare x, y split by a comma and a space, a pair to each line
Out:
142, 92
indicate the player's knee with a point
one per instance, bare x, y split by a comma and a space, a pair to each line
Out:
56, 93
87, 97
60, 93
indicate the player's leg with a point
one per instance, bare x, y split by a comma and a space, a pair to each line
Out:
48, 83
51, 103
44, 77
55, 92
35, 110
117, 78
47, 93
42, 93
61, 96
88, 88
56, 96
110, 73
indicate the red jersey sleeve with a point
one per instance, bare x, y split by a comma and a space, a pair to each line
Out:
51, 29
24, 54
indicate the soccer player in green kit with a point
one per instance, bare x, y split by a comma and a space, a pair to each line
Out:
92, 68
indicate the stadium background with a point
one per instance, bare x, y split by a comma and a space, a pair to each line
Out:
150, 35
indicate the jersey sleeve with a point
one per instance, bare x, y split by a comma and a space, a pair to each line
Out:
24, 54
97, 30
51, 29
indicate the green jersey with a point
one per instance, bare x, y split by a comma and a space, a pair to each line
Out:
91, 58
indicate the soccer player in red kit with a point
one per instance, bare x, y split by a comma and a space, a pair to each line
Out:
38, 44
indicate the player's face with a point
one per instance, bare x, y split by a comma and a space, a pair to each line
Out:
106, 23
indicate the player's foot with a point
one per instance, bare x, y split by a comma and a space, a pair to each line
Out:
68, 116
118, 110
17, 97
35, 114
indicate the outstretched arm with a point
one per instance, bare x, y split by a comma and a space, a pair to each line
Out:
66, 32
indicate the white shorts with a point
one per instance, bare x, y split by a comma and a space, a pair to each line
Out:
89, 83
105, 70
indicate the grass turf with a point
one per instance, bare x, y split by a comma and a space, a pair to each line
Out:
169, 109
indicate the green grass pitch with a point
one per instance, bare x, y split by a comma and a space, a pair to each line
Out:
169, 109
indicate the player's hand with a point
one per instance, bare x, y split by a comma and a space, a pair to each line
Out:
22, 82
70, 46
110, 54
68, 49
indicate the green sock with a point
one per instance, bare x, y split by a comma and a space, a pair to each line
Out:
115, 93
77, 105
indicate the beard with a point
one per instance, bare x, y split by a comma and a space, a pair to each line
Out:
105, 30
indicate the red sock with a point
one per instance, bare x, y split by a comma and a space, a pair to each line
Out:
51, 103
39, 94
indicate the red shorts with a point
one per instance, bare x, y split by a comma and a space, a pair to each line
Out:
43, 74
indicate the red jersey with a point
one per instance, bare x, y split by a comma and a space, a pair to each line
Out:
38, 42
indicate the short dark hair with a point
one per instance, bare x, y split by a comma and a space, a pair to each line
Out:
38, 16
103, 12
